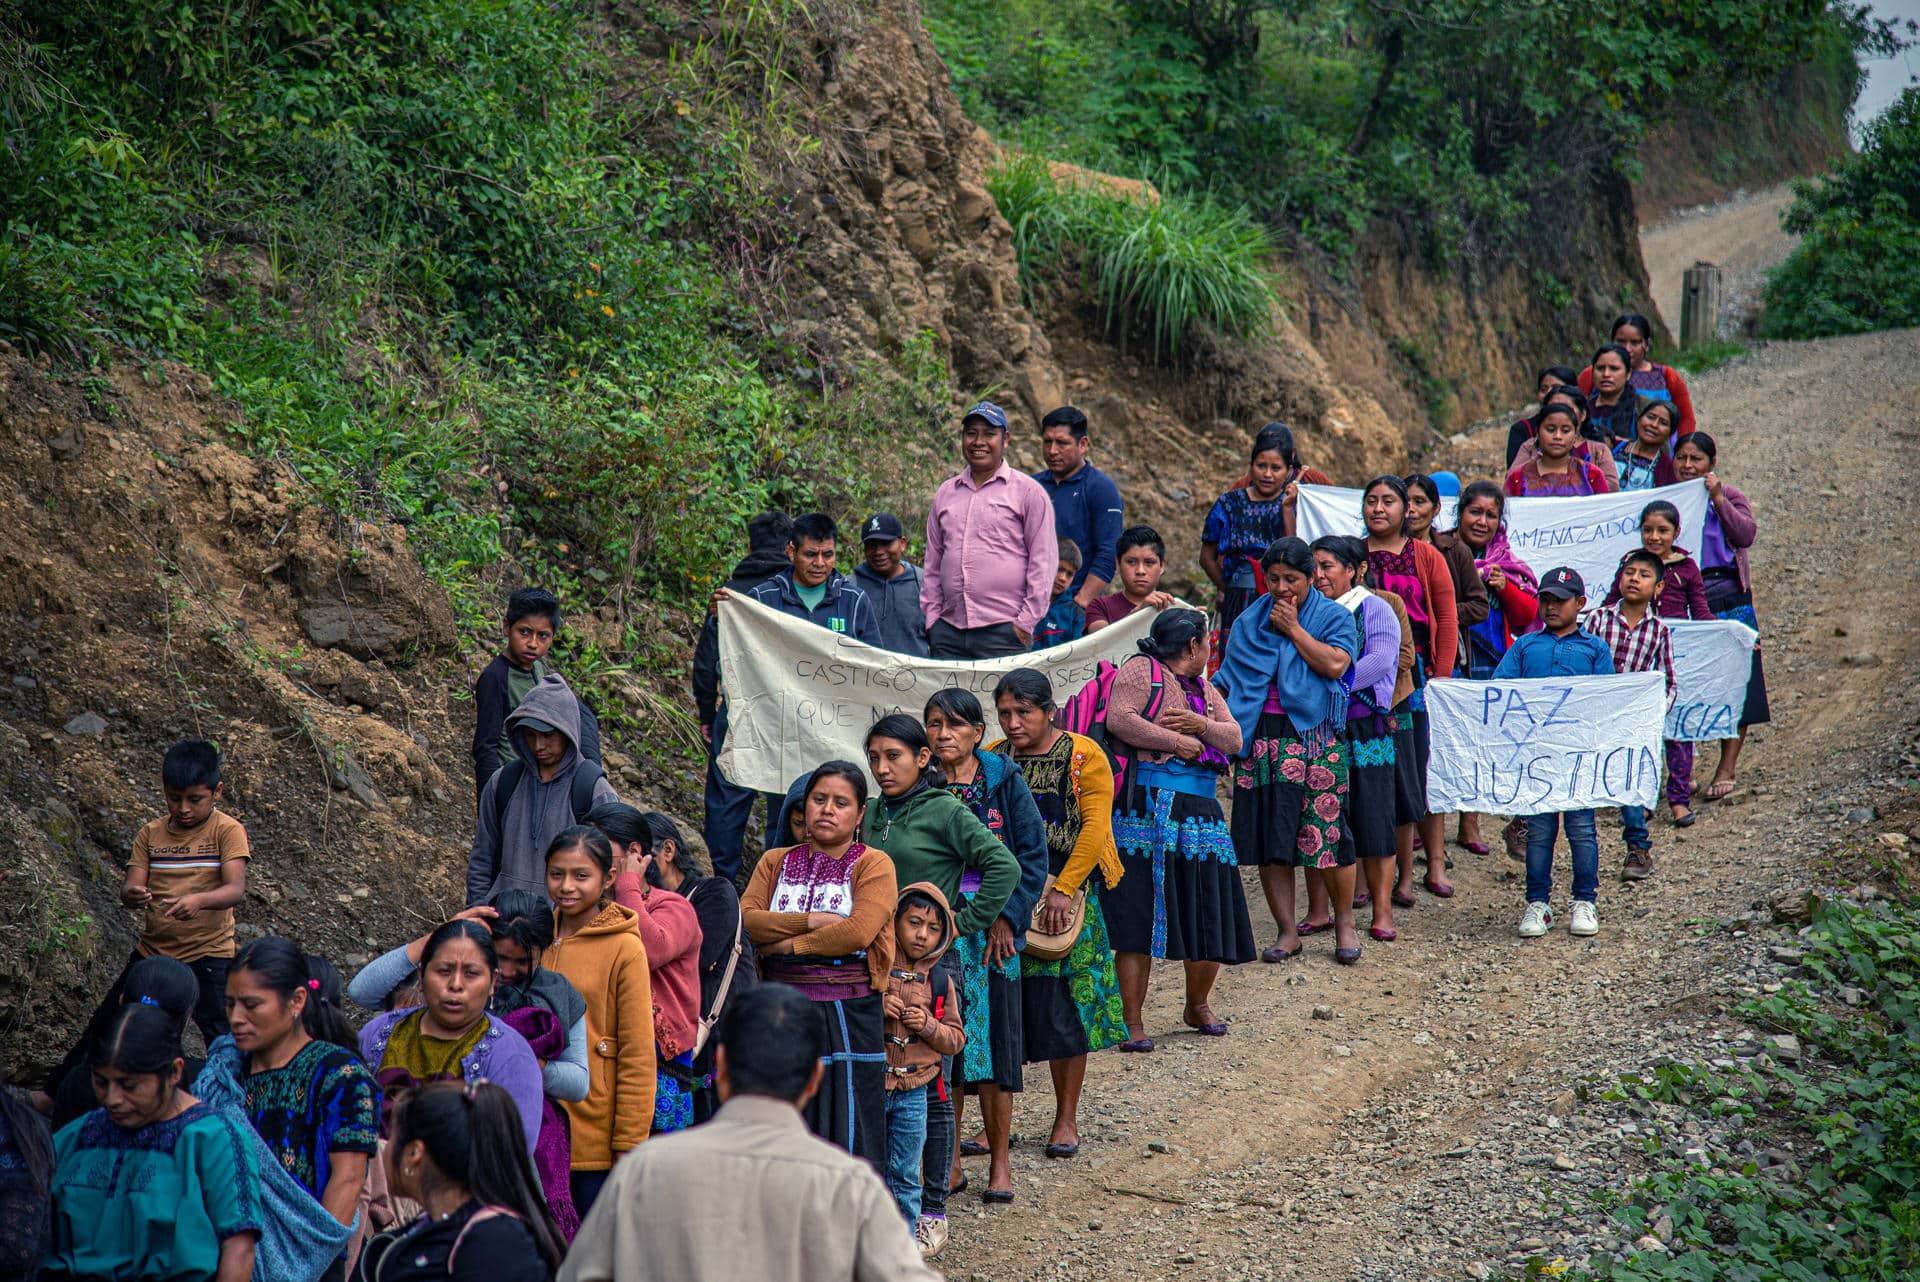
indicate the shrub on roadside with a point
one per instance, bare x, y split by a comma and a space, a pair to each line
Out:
1857, 267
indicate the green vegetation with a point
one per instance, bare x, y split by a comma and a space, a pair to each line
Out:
450, 273
1848, 1205
1708, 354
1857, 266
1471, 120
1157, 265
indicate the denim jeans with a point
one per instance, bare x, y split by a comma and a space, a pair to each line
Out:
936, 1159
1633, 827
1542, 830
906, 1138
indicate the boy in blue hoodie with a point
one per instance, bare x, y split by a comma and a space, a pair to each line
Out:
1065, 619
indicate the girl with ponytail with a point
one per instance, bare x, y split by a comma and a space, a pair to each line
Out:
460, 1152
307, 1094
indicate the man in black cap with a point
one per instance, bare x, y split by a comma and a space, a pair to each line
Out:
893, 584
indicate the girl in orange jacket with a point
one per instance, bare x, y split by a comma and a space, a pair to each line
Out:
597, 946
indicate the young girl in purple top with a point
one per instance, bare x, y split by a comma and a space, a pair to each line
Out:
1682, 595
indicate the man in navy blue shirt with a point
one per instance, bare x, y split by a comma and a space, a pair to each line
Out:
1561, 649
1086, 503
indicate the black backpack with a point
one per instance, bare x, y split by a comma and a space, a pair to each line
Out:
589, 745
586, 775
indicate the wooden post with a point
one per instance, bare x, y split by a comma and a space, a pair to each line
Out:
1699, 304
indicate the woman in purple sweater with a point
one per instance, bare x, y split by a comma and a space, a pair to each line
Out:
1682, 595
452, 1036
1729, 531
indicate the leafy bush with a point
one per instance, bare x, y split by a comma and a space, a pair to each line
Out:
1851, 1207
450, 273
1857, 266
1158, 266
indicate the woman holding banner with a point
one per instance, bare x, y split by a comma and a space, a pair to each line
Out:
1282, 677
1419, 576
1724, 540
1182, 899
1069, 1007
1513, 595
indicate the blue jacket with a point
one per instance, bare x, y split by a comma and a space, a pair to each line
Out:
1542, 654
1065, 621
1024, 833
1088, 510
846, 608
896, 602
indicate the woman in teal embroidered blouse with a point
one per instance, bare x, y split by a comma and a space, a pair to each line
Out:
153, 1184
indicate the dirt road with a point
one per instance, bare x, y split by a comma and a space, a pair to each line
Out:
1742, 236
1416, 1116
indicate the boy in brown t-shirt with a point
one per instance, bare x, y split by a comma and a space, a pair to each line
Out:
189, 870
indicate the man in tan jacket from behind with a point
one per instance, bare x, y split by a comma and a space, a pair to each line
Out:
752, 1194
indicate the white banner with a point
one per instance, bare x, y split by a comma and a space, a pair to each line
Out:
1712, 661
1541, 745
799, 694
1590, 534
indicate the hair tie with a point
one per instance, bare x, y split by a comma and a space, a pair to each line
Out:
314, 984
146, 999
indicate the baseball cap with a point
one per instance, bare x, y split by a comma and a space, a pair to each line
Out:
883, 527
1564, 583
989, 413
534, 724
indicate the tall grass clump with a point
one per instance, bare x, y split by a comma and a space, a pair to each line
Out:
1155, 266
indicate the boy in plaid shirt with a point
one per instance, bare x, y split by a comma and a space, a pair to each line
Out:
1640, 643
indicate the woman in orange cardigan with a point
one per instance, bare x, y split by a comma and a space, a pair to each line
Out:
820, 915
1417, 573
596, 946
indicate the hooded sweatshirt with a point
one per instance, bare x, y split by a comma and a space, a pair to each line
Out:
606, 961
913, 1058
510, 853
754, 569
931, 836
896, 604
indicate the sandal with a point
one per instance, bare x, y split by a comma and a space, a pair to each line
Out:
1437, 891
1312, 927
1211, 1028
1719, 790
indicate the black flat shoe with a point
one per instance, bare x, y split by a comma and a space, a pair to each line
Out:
972, 1148
959, 1188
1347, 956
1062, 1150
997, 1197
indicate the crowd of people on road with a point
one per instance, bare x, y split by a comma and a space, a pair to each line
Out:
619, 1062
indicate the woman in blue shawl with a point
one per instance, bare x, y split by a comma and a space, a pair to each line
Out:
1281, 677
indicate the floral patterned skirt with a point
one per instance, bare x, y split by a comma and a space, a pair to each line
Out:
1290, 808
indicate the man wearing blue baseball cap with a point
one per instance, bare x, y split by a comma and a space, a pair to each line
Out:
991, 549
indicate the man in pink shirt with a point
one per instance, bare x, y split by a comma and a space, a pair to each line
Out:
991, 549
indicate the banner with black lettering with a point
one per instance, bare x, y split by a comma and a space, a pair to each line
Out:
1589, 533
1712, 662
799, 694
1535, 746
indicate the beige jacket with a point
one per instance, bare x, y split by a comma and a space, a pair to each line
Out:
751, 1195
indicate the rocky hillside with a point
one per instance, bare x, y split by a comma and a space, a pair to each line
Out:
163, 585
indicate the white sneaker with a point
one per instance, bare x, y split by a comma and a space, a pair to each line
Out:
1586, 919
1536, 921
931, 1235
